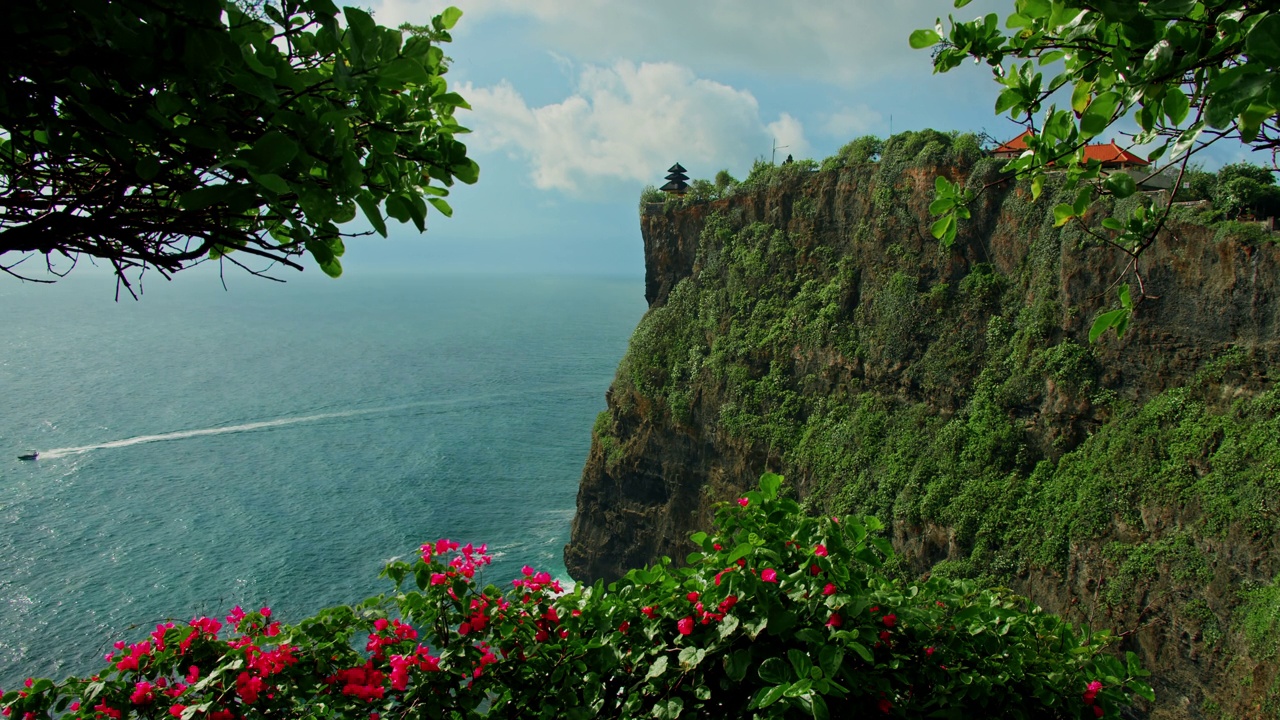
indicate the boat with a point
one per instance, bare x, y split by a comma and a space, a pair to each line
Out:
32, 456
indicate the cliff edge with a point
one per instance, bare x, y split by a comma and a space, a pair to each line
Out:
813, 327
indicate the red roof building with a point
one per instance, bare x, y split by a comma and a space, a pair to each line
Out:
1013, 148
1113, 156
1109, 154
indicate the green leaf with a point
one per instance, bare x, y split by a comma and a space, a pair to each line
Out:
1007, 99
274, 183
727, 626
770, 483
404, 71
736, 664
944, 229
772, 695
449, 17
1176, 105
1080, 96
1121, 184
442, 206
468, 172
1105, 321
210, 195
1098, 115
370, 208
830, 659
773, 671
658, 667
148, 168
1126, 301
1037, 186
1263, 42
1111, 223
861, 650
382, 142
398, 207
271, 152
924, 38
818, 707
799, 662
1083, 199
741, 551
1062, 213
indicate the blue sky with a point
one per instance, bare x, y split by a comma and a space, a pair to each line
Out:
578, 104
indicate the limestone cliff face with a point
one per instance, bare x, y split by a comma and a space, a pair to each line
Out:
813, 327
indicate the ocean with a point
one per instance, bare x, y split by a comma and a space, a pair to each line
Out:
276, 444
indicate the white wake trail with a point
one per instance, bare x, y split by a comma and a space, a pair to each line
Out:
264, 424
183, 434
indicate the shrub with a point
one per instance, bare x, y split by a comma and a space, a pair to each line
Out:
776, 615
649, 195
725, 183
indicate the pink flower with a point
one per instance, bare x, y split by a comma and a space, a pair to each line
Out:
1097, 711
890, 620
929, 651
439, 579
266, 612
176, 710
1091, 692
692, 597
685, 625
834, 621
624, 627
820, 550
193, 674
884, 705
830, 589
743, 502
141, 693
769, 575
728, 603
649, 611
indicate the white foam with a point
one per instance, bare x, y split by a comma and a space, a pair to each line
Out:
281, 422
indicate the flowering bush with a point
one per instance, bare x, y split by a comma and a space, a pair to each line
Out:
777, 615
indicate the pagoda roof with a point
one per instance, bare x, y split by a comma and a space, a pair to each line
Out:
675, 186
676, 169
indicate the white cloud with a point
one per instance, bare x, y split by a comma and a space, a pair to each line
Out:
842, 41
789, 134
850, 122
627, 122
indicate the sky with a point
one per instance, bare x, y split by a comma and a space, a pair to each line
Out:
578, 104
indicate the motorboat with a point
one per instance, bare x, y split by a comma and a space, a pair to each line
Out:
32, 456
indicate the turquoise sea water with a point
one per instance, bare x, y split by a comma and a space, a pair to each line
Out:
275, 445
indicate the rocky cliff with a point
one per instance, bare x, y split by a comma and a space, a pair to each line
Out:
810, 325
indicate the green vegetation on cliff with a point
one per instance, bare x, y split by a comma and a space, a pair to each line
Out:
954, 394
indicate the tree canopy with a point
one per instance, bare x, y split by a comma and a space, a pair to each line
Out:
157, 134
1189, 74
